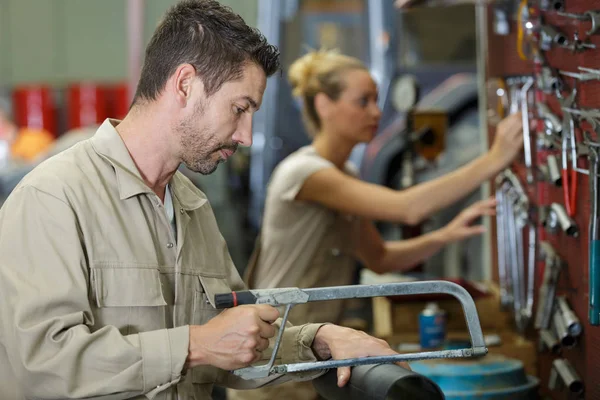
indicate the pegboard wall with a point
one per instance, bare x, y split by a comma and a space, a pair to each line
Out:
505, 61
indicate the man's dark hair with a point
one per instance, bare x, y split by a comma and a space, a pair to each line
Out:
209, 36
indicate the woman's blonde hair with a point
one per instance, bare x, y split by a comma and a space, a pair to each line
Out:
319, 71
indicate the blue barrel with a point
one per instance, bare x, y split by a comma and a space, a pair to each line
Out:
491, 378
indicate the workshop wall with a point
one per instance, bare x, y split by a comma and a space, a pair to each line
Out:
59, 41
504, 62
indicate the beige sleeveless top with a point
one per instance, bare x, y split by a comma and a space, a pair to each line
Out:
303, 244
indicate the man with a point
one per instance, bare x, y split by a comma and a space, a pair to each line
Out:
110, 259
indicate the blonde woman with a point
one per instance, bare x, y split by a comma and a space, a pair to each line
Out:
318, 217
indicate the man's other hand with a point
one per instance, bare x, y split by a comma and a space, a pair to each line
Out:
340, 343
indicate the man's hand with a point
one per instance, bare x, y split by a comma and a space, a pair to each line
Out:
461, 226
234, 339
339, 343
508, 142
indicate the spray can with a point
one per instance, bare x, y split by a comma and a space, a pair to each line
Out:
432, 326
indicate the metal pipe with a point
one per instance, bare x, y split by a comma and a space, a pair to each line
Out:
571, 321
549, 341
378, 382
554, 170
560, 328
551, 121
566, 223
550, 36
563, 373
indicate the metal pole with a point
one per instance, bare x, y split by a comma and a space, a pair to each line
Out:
481, 25
262, 160
135, 42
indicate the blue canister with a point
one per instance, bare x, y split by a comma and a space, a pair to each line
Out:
432, 326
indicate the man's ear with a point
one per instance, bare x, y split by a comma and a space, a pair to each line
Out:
182, 83
322, 104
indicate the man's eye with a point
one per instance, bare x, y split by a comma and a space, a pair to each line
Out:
239, 110
363, 102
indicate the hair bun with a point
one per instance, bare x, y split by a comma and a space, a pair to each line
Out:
303, 71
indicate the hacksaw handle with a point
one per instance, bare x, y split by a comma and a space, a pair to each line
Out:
234, 299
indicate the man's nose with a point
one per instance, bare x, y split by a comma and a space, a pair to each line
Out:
243, 133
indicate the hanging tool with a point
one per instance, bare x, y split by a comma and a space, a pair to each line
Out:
569, 176
577, 45
585, 74
515, 216
526, 131
590, 115
559, 217
553, 170
552, 122
564, 375
547, 291
290, 297
547, 81
548, 340
566, 340
519, 100
591, 15
552, 5
574, 327
594, 226
505, 296
550, 37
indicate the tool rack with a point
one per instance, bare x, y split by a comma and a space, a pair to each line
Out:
514, 40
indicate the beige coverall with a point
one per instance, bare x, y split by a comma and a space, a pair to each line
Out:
96, 295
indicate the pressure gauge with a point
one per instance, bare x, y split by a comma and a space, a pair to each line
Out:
404, 93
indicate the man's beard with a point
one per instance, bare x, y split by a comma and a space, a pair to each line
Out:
199, 148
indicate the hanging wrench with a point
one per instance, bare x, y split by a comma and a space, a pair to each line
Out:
547, 290
569, 177
585, 74
531, 263
594, 234
518, 217
509, 244
515, 265
526, 132
501, 241
591, 15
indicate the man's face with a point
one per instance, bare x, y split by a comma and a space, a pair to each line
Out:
215, 126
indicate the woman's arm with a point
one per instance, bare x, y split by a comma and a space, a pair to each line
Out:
338, 191
381, 257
